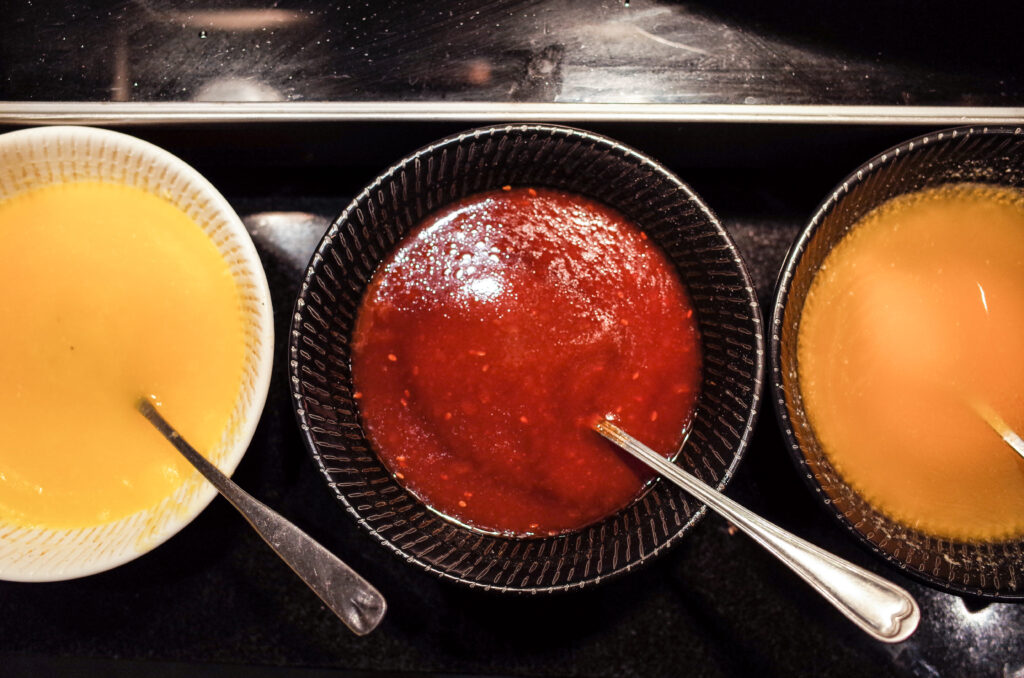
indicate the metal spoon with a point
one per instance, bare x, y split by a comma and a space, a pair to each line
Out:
356, 602
993, 419
879, 607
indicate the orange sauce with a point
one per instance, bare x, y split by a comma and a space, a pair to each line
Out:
913, 323
107, 293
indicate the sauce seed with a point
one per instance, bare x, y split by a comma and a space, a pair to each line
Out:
522, 446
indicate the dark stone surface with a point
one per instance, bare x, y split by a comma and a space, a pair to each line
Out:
214, 597
610, 51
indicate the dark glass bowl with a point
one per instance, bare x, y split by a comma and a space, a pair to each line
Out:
524, 155
977, 155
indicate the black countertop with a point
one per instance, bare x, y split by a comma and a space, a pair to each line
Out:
214, 598
733, 52
289, 157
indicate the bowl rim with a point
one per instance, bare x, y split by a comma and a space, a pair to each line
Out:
205, 493
525, 128
780, 298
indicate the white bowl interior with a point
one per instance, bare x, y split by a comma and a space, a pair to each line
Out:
36, 157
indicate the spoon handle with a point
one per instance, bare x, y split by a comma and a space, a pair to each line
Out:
356, 602
879, 607
993, 419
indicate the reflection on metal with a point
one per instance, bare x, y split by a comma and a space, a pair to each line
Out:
239, 19
552, 51
669, 43
287, 237
237, 89
119, 86
127, 113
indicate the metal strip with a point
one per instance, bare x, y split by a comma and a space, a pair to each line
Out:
141, 113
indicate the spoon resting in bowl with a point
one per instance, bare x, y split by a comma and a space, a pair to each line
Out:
882, 609
918, 339
356, 602
1000, 426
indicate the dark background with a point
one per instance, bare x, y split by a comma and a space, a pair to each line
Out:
642, 51
214, 597
214, 600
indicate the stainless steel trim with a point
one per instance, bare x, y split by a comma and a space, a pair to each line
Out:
141, 113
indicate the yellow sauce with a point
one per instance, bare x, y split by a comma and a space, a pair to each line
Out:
107, 294
915, 320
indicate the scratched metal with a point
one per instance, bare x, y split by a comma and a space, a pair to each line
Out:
641, 51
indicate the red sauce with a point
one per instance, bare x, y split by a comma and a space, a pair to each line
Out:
495, 335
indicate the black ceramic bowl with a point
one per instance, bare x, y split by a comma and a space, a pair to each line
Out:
977, 155
525, 155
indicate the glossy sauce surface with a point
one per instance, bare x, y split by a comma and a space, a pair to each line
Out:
915, 321
495, 335
107, 293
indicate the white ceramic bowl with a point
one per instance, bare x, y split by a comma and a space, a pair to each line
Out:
35, 157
